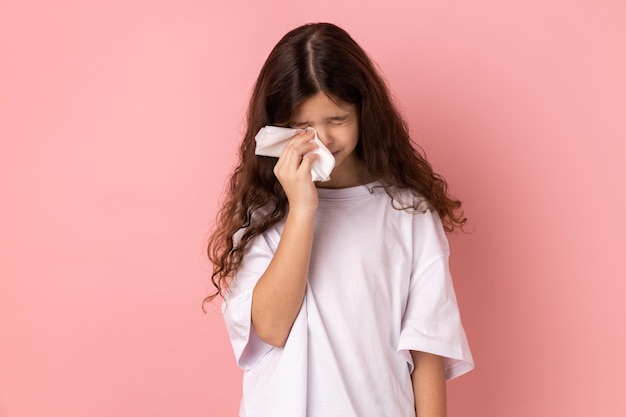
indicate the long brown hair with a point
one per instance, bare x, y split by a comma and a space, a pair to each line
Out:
309, 59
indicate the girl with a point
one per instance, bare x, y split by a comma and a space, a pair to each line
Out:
337, 295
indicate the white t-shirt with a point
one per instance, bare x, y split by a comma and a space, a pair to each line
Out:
378, 286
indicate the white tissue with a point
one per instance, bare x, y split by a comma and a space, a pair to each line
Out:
271, 140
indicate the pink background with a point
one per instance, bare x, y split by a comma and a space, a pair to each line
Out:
119, 122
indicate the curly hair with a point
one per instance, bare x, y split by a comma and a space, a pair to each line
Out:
318, 57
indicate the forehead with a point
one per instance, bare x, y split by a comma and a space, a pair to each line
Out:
321, 106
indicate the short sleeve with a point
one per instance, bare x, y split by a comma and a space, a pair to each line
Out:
431, 322
237, 304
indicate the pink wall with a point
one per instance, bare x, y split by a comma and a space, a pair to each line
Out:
118, 124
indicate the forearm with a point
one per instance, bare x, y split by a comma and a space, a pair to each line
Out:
278, 295
429, 385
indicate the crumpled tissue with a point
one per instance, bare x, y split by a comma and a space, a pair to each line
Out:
271, 140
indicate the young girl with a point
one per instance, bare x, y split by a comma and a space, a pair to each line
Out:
337, 295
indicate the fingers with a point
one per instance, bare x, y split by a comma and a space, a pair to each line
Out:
293, 171
308, 161
301, 143
293, 155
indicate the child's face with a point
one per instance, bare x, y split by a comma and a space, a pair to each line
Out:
338, 128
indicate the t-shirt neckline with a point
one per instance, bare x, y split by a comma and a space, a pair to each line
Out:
358, 191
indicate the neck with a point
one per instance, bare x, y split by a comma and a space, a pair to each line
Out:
350, 174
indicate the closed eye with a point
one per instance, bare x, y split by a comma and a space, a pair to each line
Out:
298, 125
338, 120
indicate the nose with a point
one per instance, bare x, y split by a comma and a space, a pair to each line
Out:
323, 136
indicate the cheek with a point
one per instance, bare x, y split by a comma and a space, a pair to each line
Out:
354, 136
348, 135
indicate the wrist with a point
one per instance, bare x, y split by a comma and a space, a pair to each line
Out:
302, 213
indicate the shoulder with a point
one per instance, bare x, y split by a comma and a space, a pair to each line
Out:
403, 198
411, 213
268, 237
426, 226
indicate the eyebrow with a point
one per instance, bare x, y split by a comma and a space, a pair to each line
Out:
328, 119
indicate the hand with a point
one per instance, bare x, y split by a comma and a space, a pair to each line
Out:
293, 171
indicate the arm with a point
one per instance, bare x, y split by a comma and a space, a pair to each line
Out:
278, 295
429, 384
